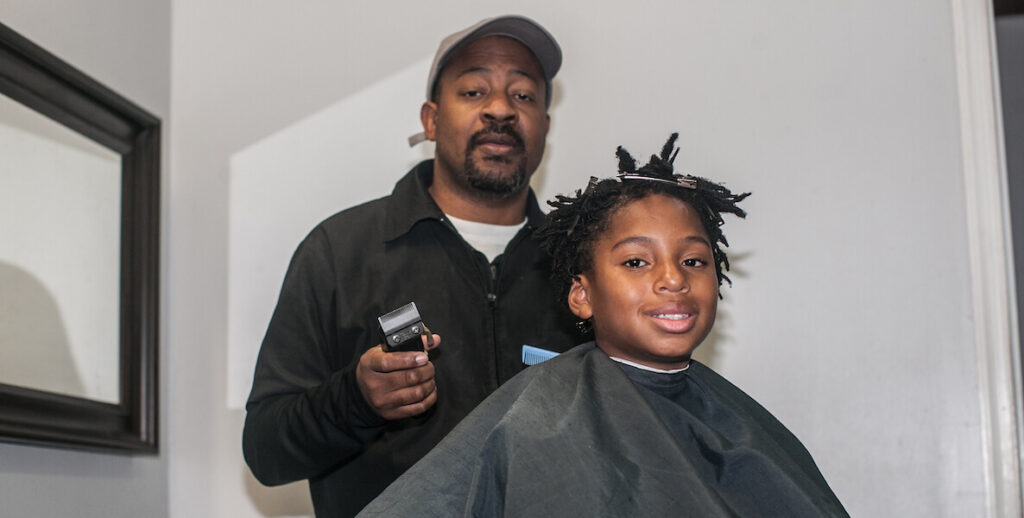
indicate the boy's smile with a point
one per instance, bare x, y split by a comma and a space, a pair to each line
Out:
652, 288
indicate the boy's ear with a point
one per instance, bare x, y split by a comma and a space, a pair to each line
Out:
579, 300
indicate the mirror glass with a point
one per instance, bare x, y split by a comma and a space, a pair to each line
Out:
60, 249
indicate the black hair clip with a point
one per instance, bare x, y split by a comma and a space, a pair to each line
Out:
682, 181
713, 216
572, 226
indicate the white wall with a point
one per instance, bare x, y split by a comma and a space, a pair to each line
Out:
270, 212
850, 318
126, 46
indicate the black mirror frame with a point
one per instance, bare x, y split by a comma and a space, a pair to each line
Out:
48, 85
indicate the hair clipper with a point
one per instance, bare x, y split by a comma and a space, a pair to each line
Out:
402, 329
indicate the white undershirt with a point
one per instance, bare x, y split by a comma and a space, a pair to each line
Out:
652, 369
489, 239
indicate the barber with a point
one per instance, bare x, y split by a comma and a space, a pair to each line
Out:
328, 404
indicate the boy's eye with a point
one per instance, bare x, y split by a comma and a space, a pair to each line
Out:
694, 262
635, 262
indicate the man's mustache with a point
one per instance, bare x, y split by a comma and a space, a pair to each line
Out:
493, 130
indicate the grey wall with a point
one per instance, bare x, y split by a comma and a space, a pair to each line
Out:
124, 44
1010, 46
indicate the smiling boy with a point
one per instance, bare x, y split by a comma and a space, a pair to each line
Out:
627, 425
651, 289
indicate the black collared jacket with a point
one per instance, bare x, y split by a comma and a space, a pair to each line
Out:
306, 418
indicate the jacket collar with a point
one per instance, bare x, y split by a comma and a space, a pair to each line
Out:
410, 203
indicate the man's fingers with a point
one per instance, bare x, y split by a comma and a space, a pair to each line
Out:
379, 387
405, 402
398, 384
417, 408
431, 341
409, 395
378, 360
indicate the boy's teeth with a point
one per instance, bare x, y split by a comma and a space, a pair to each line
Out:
674, 316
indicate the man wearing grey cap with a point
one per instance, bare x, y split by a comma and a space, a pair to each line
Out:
328, 404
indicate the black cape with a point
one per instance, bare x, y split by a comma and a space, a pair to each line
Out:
581, 435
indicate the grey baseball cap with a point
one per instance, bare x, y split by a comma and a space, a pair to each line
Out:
519, 28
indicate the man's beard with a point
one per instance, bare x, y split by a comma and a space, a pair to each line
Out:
494, 184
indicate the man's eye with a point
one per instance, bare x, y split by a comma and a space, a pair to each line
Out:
523, 97
635, 263
472, 93
694, 262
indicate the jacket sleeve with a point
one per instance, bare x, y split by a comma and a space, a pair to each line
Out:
305, 416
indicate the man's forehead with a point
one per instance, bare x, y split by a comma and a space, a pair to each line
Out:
482, 53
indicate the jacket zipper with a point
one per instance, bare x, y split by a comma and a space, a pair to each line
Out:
492, 304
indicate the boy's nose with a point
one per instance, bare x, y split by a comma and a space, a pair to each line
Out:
671, 278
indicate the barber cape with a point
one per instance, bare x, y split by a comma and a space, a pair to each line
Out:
581, 435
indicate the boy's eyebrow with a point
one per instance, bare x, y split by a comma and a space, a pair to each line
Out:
631, 240
699, 239
647, 240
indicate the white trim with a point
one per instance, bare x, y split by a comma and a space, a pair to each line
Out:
992, 291
650, 369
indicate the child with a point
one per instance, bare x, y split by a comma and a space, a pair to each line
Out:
627, 425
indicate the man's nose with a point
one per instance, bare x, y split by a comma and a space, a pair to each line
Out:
499, 109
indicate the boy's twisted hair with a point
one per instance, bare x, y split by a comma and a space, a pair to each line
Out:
572, 228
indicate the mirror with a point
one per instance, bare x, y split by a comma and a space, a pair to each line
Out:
79, 249
60, 199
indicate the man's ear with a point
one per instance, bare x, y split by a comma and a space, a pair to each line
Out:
428, 117
579, 300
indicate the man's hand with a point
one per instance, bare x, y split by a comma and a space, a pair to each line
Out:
399, 384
